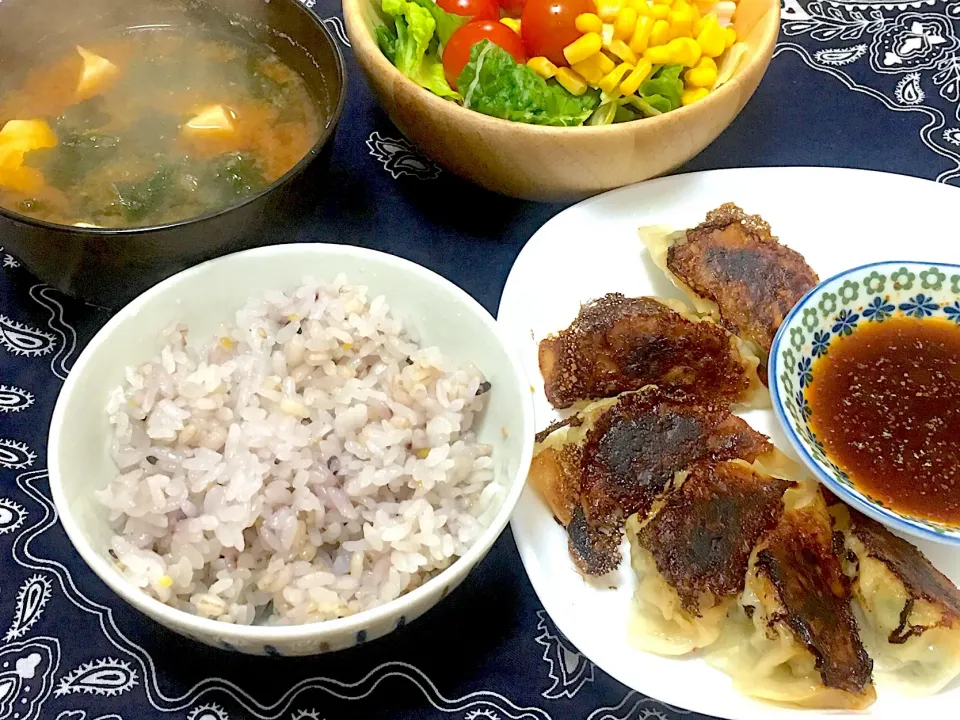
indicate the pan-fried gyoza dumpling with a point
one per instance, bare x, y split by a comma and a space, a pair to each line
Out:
690, 558
797, 641
617, 344
910, 611
734, 269
617, 457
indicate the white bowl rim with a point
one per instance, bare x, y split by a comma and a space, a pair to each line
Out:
267, 634
886, 516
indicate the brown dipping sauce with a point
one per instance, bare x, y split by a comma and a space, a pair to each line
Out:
886, 406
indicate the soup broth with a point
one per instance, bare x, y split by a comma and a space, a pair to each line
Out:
151, 127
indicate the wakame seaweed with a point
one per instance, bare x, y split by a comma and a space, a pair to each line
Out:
137, 200
75, 156
200, 183
235, 176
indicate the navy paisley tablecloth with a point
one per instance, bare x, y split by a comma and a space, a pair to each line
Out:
865, 83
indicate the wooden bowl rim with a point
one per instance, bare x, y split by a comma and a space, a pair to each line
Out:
363, 40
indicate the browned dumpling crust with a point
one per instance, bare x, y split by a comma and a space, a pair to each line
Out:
702, 538
617, 344
920, 578
625, 460
798, 561
732, 260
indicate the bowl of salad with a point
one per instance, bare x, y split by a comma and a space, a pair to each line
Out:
558, 99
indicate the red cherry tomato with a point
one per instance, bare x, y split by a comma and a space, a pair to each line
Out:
477, 9
456, 53
548, 26
513, 8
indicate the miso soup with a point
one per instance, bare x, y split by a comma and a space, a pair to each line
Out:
150, 127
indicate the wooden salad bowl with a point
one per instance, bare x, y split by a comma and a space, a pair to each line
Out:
558, 163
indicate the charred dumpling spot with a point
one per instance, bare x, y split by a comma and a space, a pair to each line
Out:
733, 267
619, 456
910, 610
702, 538
635, 449
595, 549
918, 575
799, 564
617, 344
691, 558
797, 642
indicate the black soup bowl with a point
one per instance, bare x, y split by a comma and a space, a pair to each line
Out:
110, 266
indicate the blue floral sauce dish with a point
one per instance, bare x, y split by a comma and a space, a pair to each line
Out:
864, 377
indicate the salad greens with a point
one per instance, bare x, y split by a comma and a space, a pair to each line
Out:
659, 94
664, 88
413, 43
495, 84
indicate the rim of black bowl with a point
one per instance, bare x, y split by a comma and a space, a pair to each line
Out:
293, 172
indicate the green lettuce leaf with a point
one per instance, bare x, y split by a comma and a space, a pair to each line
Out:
387, 41
662, 91
494, 84
603, 115
447, 23
412, 45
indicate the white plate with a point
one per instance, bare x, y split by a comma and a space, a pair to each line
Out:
837, 219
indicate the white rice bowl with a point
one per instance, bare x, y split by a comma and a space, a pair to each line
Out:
313, 461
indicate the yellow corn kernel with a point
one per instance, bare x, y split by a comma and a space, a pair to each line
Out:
608, 9
681, 23
702, 22
594, 68
582, 48
688, 97
658, 55
422, 453
659, 12
684, 51
612, 79
641, 6
730, 38
600, 62
606, 34
571, 81
712, 39
660, 33
625, 23
604, 63
641, 34
623, 51
702, 75
542, 67
662, 2
640, 73
589, 22
588, 71
511, 23
165, 581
